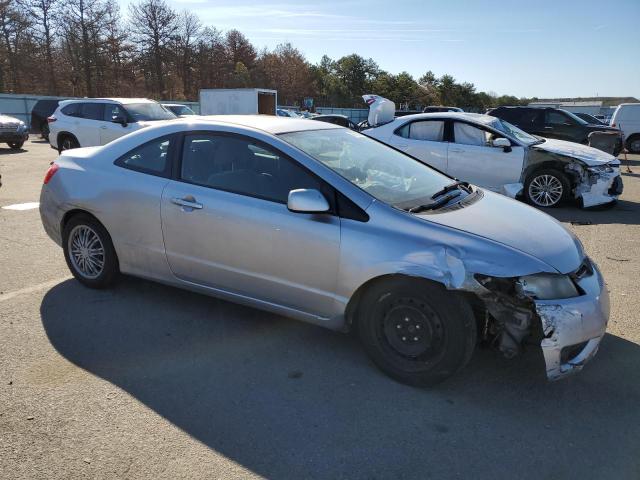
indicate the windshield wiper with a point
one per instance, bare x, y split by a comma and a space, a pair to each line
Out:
450, 187
435, 204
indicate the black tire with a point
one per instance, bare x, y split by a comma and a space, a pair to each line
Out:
109, 271
67, 142
633, 143
441, 321
15, 145
556, 178
44, 131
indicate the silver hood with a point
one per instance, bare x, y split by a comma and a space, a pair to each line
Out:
589, 155
518, 226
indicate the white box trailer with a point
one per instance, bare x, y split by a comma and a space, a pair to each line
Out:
238, 101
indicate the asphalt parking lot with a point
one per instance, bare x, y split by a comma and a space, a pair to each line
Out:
147, 381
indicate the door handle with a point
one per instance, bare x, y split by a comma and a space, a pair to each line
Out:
187, 202
456, 150
402, 145
103, 127
548, 128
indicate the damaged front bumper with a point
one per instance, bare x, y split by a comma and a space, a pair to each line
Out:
597, 187
574, 327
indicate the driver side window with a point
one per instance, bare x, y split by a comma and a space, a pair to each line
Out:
238, 165
428, 130
113, 111
466, 134
556, 118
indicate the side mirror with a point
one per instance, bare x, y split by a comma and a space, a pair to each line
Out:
307, 201
503, 143
120, 119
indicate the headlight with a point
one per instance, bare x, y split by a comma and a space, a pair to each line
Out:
547, 286
608, 168
22, 126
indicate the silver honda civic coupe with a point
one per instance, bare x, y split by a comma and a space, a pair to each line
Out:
325, 225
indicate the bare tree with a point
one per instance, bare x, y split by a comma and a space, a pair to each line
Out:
154, 26
13, 26
189, 29
83, 23
42, 14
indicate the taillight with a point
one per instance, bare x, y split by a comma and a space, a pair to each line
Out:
613, 124
51, 172
51, 119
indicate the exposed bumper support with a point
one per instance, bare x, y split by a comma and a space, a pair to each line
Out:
573, 328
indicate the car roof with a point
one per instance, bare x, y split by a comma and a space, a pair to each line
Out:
268, 123
173, 105
474, 117
122, 101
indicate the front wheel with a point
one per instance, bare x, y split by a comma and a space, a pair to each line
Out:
546, 188
415, 331
89, 252
15, 145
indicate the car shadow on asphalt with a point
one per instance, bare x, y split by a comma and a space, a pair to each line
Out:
290, 400
11, 151
623, 212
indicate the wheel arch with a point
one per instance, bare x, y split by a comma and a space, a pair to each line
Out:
351, 311
63, 134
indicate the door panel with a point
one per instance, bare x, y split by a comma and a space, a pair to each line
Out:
483, 165
110, 131
252, 247
227, 226
423, 140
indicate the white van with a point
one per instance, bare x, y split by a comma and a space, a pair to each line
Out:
627, 118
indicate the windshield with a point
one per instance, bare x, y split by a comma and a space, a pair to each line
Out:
575, 117
515, 132
148, 111
181, 110
384, 173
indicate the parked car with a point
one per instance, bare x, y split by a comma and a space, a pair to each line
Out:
39, 114
320, 223
179, 110
13, 132
341, 120
552, 123
498, 156
281, 112
438, 109
591, 119
97, 121
627, 118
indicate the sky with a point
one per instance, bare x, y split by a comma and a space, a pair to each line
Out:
541, 48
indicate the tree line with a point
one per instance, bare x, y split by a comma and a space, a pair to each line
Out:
87, 48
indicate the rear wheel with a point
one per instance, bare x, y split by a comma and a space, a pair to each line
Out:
44, 131
15, 145
67, 142
415, 331
546, 188
89, 252
633, 143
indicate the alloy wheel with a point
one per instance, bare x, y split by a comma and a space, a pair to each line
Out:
86, 251
545, 190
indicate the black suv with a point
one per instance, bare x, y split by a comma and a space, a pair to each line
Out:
41, 110
552, 123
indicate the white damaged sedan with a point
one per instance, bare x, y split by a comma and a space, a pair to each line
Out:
493, 154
